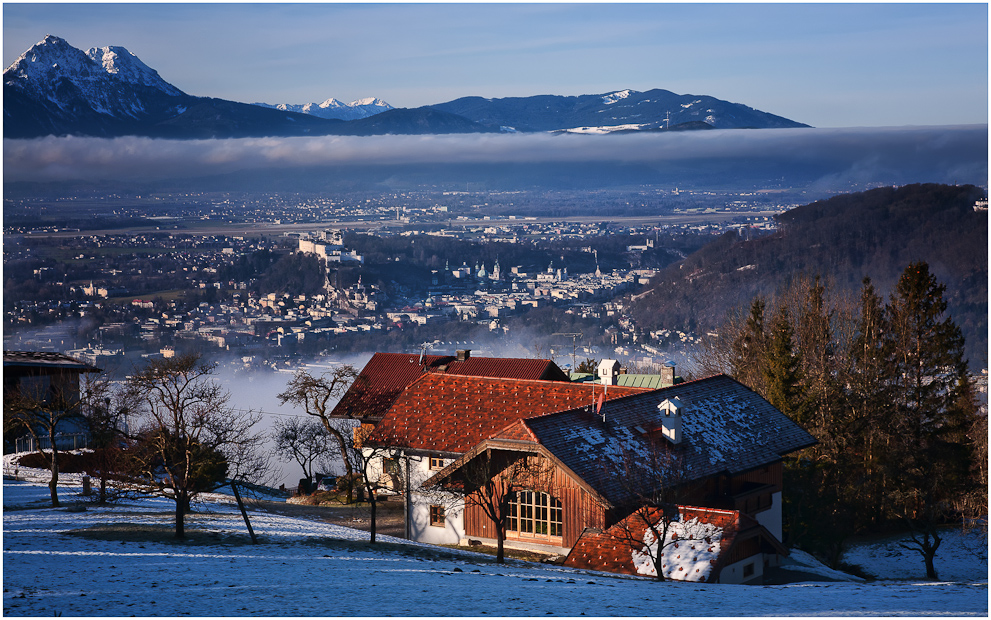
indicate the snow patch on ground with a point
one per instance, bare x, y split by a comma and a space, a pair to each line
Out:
312, 568
955, 559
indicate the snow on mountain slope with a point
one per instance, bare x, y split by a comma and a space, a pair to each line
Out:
109, 81
126, 67
612, 98
334, 108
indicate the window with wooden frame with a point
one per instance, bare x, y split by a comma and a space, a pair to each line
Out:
436, 463
390, 466
437, 518
533, 514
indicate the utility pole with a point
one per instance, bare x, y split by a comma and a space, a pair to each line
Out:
574, 346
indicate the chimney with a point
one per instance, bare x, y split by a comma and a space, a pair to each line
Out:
670, 411
667, 373
608, 371
463, 354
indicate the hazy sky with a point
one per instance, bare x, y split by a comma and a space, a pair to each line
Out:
827, 65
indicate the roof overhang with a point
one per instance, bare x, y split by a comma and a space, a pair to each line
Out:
449, 475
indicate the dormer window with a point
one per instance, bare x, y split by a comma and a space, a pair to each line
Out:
670, 411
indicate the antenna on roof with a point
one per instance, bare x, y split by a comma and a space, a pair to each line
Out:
423, 350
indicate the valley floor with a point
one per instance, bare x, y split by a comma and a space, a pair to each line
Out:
120, 560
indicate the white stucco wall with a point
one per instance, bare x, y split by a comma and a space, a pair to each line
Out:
421, 501
733, 573
454, 527
771, 518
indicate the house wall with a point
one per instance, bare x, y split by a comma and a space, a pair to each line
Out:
419, 470
579, 510
453, 529
772, 519
734, 573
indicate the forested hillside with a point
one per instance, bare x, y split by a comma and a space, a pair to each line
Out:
844, 239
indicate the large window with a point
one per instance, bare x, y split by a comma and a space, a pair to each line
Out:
533, 514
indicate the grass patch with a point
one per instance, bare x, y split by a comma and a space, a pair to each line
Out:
165, 533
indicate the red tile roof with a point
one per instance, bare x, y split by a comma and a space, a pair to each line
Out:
615, 549
386, 375
450, 413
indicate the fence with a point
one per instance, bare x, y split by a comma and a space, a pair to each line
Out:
63, 441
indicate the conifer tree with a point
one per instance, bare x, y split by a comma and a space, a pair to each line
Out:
868, 377
750, 348
933, 413
782, 378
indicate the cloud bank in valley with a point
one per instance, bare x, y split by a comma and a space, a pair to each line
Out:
954, 153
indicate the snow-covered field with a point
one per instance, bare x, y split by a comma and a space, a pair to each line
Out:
308, 568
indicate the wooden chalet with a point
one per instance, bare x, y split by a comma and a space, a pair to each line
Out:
711, 443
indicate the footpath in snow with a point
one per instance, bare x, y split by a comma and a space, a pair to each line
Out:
102, 562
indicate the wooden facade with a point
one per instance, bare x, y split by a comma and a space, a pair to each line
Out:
749, 493
580, 510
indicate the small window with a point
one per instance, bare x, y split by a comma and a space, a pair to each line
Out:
437, 516
748, 570
390, 466
436, 463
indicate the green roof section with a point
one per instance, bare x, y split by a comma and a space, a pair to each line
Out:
652, 382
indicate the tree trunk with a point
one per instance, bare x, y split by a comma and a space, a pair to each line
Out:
342, 444
181, 504
500, 543
930, 567
371, 499
53, 483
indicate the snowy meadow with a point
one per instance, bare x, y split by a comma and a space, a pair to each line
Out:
101, 562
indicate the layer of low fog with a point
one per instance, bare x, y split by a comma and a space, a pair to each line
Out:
949, 154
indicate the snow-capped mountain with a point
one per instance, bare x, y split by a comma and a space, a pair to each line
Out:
109, 81
126, 67
54, 88
333, 108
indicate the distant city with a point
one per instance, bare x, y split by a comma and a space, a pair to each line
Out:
113, 277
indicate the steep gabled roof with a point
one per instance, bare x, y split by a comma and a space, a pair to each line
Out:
386, 375
697, 546
726, 428
452, 413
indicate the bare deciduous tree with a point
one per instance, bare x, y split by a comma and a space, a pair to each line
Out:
317, 397
305, 442
492, 478
656, 482
191, 438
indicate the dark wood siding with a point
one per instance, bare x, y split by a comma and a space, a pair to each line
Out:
579, 510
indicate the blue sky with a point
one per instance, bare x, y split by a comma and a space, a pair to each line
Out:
828, 65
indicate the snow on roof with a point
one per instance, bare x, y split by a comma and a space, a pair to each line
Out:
726, 427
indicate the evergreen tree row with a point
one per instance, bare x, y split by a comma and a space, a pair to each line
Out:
884, 387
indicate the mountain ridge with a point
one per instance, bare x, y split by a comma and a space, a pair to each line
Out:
56, 89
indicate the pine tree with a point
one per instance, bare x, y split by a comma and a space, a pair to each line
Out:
869, 377
782, 377
750, 349
933, 411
